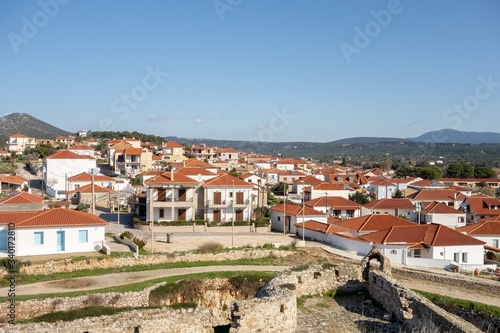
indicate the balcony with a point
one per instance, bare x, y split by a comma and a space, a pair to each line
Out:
219, 204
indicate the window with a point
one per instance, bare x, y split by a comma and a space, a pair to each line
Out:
456, 256
441, 254
161, 213
38, 237
417, 253
495, 243
3, 239
279, 218
83, 236
464, 257
394, 252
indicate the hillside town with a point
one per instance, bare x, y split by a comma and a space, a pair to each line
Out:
450, 223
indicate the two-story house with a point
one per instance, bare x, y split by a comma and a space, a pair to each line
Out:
19, 142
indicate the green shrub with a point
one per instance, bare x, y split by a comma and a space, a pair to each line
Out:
126, 234
82, 207
139, 242
184, 305
268, 246
299, 268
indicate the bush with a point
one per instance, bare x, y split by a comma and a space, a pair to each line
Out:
126, 234
268, 246
82, 207
210, 247
139, 242
490, 255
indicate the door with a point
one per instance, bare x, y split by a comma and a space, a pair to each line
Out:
217, 215
239, 215
182, 194
182, 215
217, 198
60, 241
239, 199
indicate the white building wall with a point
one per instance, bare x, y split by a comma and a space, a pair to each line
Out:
25, 241
474, 253
56, 171
450, 220
489, 240
350, 244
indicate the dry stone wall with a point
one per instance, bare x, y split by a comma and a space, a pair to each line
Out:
37, 307
138, 321
412, 309
69, 265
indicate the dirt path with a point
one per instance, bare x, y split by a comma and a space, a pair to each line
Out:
448, 290
119, 279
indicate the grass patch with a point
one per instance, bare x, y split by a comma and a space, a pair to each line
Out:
184, 305
143, 285
26, 279
323, 305
300, 268
301, 301
451, 304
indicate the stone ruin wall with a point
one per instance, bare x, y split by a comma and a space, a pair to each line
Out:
412, 309
273, 310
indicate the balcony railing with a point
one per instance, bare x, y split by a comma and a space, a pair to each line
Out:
222, 203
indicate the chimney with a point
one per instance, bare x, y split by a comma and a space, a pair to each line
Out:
172, 174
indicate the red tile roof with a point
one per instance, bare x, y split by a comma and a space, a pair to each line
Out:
13, 179
373, 222
88, 177
309, 180
482, 228
166, 179
334, 202
172, 144
393, 203
88, 189
21, 198
226, 180
80, 147
440, 208
194, 163
427, 234
18, 135
294, 209
329, 187
484, 205
56, 217
195, 172
437, 194
67, 154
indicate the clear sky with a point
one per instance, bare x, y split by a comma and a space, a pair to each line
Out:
282, 70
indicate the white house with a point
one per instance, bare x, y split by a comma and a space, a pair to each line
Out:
52, 231
486, 231
428, 245
439, 213
327, 189
336, 206
81, 149
228, 198
382, 188
228, 155
19, 142
396, 207
61, 165
288, 215
171, 197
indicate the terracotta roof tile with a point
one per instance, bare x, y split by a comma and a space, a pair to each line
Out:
56, 217
67, 154
369, 223
226, 180
21, 198
393, 203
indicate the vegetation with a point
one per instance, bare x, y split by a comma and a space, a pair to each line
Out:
212, 247
464, 170
114, 135
359, 198
26, 279
452, 304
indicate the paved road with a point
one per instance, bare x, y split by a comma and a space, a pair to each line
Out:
119, 279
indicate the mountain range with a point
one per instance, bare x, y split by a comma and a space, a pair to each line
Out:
28, 125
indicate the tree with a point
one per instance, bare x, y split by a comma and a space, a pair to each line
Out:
468, 171
484, 171
404, 171
235, 173
360, 198
387, 164
455, 170
398, 194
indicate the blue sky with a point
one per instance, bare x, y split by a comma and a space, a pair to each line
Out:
281, 70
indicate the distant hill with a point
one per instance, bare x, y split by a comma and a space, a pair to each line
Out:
454, 136
367, 139
28, 125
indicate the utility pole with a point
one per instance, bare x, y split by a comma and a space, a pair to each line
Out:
284, 209
232, 220
93, 195
151, 215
